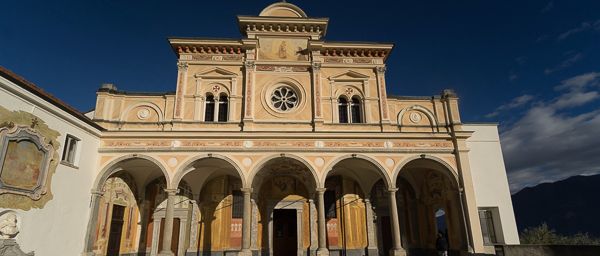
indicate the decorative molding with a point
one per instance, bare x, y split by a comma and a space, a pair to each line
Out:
281, 68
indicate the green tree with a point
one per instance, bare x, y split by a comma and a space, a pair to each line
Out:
543, 234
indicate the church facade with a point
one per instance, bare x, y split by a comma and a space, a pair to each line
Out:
278, 143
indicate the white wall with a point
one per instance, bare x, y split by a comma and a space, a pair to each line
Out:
489, 178
59, 227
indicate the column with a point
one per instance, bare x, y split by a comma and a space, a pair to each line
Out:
397, 250
246, 222
90, 233
371, 239
168, 231
322, 225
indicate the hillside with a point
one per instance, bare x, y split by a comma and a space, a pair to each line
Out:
569, 206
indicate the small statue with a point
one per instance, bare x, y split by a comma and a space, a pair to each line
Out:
8, 231
8, 226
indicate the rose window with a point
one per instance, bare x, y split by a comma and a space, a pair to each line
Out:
284, 98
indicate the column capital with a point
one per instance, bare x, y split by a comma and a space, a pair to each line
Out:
321, 190
182, 66
316, 66
380, 69
171, 191
246, 190
249, 64
392, 190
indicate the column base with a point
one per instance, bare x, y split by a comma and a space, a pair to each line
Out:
245, 252
372, 251
166, 253
322, 252
397, 252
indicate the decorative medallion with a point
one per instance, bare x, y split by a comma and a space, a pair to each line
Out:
247, 161
216, 88
389, 162
172, 162
143, 113
319, 161
415, 117
284, 98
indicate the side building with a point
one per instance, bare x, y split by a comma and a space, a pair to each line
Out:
278, 143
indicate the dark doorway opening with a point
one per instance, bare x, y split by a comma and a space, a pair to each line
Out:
285, 236
386, 234
116, 229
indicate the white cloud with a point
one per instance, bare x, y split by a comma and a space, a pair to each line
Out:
548, 143
584, 26
580, 81
571, 58
514, 103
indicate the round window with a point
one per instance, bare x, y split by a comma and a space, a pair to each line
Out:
284, 98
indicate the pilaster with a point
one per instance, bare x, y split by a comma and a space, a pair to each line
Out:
182, 68
381, 90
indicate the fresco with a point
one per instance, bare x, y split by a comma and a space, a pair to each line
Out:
22, 165
282, 49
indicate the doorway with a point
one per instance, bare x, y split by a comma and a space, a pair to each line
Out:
285, 236
116, 228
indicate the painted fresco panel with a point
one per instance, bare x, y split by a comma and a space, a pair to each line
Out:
282, 49
22, 165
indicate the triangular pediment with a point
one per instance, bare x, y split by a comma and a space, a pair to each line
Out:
349, 75
215, 72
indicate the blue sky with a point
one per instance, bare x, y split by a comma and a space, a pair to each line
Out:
533, 66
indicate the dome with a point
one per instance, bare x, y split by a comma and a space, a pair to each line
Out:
283, 9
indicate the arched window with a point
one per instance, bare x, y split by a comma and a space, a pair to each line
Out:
355, 110
223, 107
343, 110
209, 109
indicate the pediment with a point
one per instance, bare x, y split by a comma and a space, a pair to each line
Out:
215, 72
349, 75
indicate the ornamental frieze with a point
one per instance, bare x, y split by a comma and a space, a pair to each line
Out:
281, 68
350, 60
290, 144
212, 57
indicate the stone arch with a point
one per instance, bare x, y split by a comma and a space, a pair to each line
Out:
432, 121
450, 171
223, 89
146, 104
185, 168
341, 91
260, 165
380, 169
109, 169
427, 184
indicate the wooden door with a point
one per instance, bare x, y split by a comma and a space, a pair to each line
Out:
116, 229
285, 236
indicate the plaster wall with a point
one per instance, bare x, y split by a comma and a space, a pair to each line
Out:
490, 180
59, 227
